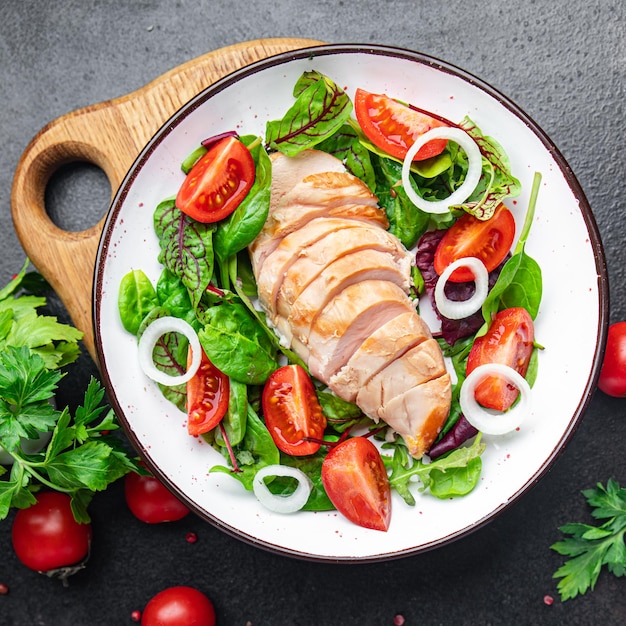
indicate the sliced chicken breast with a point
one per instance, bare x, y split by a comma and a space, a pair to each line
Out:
291, 248
415, 367
345, 271
317, 257
351, 316
419, 414
382, 347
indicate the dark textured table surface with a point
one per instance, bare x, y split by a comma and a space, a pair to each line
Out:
563, 63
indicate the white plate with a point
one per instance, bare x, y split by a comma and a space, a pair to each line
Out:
571, 324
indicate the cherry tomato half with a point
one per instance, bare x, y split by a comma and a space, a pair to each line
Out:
488, 240
179, 606
218, 182
355, 479
46, 536
207, 397
292, 411
508, 341
612, 379
394, 127
150, 501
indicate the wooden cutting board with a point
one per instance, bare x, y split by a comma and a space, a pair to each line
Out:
110, 135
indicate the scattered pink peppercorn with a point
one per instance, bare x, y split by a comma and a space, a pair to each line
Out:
136, 616
191, 537
4, 589
398, 620
548, 600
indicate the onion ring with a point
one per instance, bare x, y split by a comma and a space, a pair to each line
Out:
457, 310
474, 170
479, 417
278, 503
148, 340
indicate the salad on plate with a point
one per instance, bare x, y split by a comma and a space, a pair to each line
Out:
345, 304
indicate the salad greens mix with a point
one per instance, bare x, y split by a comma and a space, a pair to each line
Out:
208, 264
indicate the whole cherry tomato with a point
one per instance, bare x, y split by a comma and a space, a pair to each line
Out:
46, 537
613, 373
179, 606
151, 502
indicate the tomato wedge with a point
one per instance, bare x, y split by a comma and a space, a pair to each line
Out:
292, 412
207, 397
355, 479
218, 182
394, 127
508, 341
488, 240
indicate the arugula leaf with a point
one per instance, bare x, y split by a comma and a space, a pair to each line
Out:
320, 109
186, 247
455, 474
592, 547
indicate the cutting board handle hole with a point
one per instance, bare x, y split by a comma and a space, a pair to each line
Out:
77, 196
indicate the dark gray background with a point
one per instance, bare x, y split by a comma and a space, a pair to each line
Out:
563, 63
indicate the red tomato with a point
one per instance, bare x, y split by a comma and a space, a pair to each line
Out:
355, 479
208, 394
46, 536
508, 341
218, 182
292, 411
488, 240
179, 606
149, 500
394, 127
613, 373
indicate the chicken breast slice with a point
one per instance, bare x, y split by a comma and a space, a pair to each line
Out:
317, 257
389, 342
343, 324
415, 367
340, 274
271, 273
418, 415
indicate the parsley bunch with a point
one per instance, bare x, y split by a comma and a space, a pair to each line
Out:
81, 456
591, 547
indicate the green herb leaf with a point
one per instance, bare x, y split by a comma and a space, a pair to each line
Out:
136, 298
186, 248
320, 109
592, 547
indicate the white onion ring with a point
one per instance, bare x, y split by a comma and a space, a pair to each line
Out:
457, 310
278, 503
148, 340
474, 169
479, 417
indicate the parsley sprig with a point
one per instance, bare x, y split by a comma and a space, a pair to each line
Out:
82, 456
592, 547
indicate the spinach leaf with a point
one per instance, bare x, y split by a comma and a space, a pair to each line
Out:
236, 344
320, 109
520, 282
340, 415
406, 221
234, 422
186, 247
240, 228
312, 466
136, 298
256, 451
